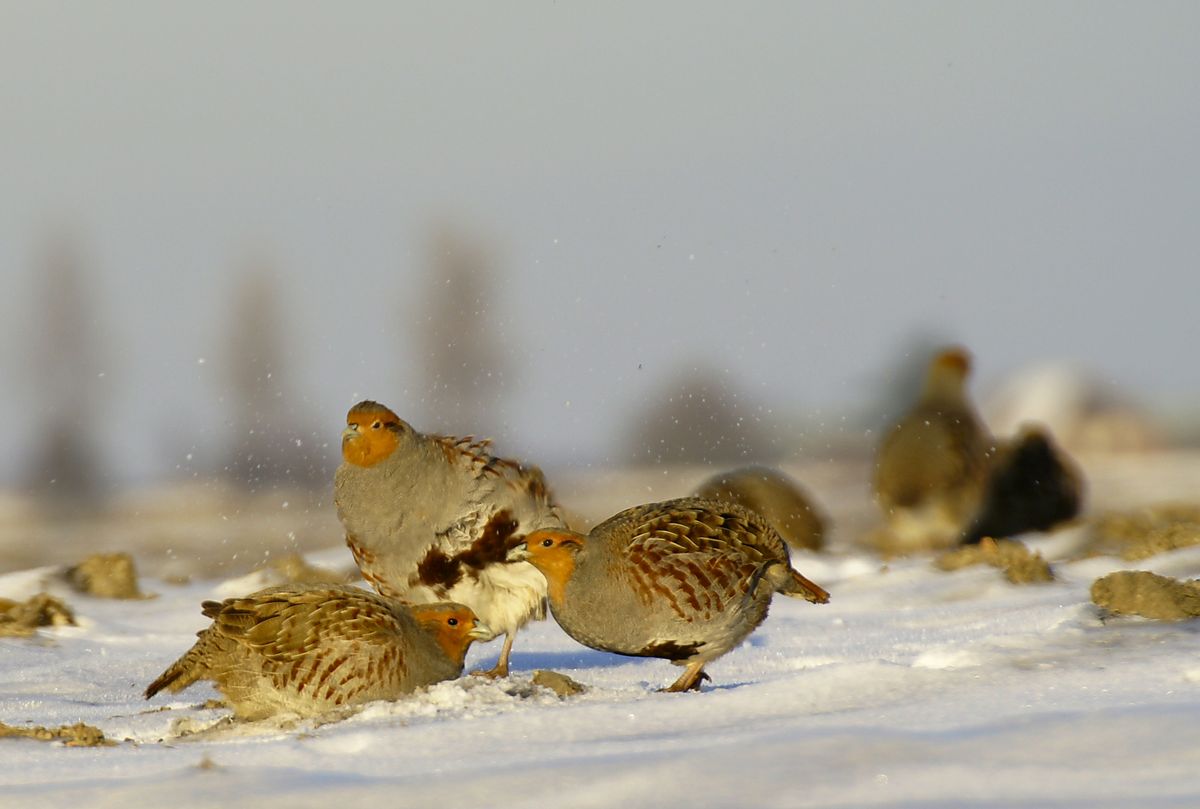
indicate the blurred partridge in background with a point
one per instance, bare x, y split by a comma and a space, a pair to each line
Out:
686, 580
777, 497
932, 467
431, 518
1034, 486
307, 650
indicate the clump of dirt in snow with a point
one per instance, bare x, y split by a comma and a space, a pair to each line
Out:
77, 735
1162, 539
1147, 531
295, 569
1138, 592
22, 619
559, 683
1020, 565
106, 575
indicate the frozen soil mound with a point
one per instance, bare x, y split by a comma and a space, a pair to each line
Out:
106, 575
77, 735
1138, 592
22, 619
1144, 532
1020, 565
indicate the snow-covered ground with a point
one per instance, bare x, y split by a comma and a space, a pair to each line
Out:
914, 687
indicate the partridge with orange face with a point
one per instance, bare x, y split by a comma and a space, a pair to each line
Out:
309, 649
431, 518
686, 580
933, 465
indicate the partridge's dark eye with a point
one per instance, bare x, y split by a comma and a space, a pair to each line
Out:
547, 543
453, 622
376, 425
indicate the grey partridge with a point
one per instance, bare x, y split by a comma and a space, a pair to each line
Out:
1034, 486
431, 518
933, 465
309, 649
686, 580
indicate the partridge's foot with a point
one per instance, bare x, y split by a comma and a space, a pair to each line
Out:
501, 667
690, 680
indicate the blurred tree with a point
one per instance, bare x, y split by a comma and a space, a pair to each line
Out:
462, 342
272, 442
65, 466
699, 417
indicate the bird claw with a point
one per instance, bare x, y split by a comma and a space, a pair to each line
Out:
687, 684
495, 673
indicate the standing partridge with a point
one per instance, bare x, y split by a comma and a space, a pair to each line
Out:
933, 465
431, 518
774, 495
686, 580
308, 649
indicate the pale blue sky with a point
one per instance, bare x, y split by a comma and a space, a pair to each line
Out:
788, 189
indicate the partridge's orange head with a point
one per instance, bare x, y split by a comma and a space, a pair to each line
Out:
954, 361
372, 434
947, 374
453, 626
553, 553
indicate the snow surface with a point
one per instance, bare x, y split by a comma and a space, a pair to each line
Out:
912, 688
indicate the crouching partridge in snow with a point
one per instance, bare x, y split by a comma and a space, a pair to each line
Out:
933, 465
774, 495
1034, 486
308, 649
431, 518
686, 580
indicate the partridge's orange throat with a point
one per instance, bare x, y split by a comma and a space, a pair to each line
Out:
372, 434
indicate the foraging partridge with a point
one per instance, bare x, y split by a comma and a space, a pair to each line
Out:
431, 518
309, 649
933, 465
774, 495
686, 580
1034, 486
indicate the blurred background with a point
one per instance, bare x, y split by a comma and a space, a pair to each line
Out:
617, 237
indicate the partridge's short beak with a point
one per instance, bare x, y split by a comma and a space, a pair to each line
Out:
351, 431
518, 553
481, 631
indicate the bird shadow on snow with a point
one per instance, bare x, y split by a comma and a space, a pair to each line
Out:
584, 659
